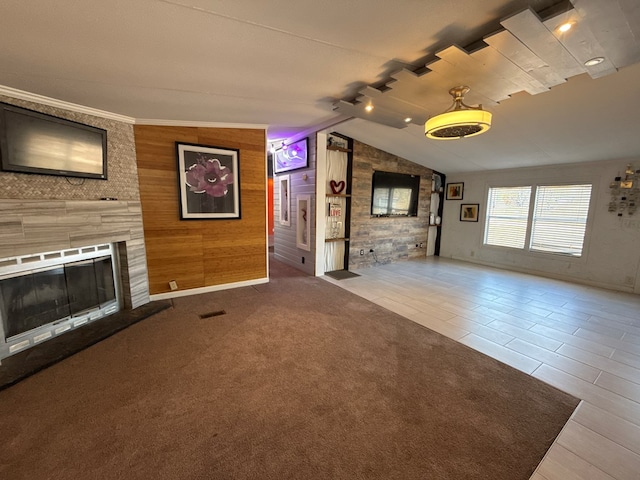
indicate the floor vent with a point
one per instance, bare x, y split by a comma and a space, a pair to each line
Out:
213, 314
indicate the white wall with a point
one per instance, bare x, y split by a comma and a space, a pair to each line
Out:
611, 255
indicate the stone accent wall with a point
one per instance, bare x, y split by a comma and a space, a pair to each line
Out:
392, 239
32, 226
44, 213
122, 170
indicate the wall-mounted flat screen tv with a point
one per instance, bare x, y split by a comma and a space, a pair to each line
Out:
33, 142
394, 194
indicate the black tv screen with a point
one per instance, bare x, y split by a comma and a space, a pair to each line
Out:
394, 194
33, 142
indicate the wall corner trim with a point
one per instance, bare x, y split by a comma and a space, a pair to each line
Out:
212, 288
52, 102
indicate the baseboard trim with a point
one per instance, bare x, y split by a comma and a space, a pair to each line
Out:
539, 273
212, 288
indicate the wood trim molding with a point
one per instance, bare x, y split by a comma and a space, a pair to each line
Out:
157, 122
52, 102
337, 149
212, 288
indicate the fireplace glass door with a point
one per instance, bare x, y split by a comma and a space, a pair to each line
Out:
35, 299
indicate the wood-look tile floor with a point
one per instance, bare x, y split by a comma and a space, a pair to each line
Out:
581, 339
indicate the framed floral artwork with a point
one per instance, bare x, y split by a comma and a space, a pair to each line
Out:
209, 182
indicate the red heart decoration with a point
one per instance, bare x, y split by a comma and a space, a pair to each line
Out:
337, 187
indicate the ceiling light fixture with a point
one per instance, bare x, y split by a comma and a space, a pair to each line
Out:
459, 121
368, 108
565, 27
407, 120
594, 61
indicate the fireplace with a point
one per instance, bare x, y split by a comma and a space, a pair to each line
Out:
41, 236
45, 295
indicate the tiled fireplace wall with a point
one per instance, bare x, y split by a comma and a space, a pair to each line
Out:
44, 213
34, 226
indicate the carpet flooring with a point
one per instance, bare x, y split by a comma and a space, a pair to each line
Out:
297, 379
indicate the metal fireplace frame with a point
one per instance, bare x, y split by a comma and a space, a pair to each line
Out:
26, 264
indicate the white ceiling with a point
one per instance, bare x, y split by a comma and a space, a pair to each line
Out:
285, 64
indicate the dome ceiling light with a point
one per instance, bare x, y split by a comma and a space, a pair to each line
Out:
459, 121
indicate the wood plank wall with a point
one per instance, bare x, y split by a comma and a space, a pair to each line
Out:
201, 253
285, 248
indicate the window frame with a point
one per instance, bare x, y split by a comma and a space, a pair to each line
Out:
486, 217
526, 249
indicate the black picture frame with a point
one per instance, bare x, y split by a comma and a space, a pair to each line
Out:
455, 191
208, 181
469, 212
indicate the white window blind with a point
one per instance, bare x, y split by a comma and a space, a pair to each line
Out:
507, 216
560, 219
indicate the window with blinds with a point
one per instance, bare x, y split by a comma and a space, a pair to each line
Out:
556, 224
560, 219
507, 216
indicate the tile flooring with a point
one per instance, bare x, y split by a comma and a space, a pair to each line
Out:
583, 340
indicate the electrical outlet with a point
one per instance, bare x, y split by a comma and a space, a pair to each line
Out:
421, 244
173, 285
362, 252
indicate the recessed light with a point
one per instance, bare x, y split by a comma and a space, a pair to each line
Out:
594, 61
407, 120
368, 108
565, 27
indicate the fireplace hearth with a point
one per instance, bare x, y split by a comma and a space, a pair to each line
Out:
45, 295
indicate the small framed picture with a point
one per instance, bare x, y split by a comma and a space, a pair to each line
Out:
304, 222
285, 200
455, 190
469, 212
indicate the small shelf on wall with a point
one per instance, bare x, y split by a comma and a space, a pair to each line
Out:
438, 181
337, 149
337, 190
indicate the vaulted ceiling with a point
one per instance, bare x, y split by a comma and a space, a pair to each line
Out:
295, 65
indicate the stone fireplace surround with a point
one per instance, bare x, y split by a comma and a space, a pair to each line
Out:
35, 226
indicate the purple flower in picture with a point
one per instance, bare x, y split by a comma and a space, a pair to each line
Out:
209, 176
